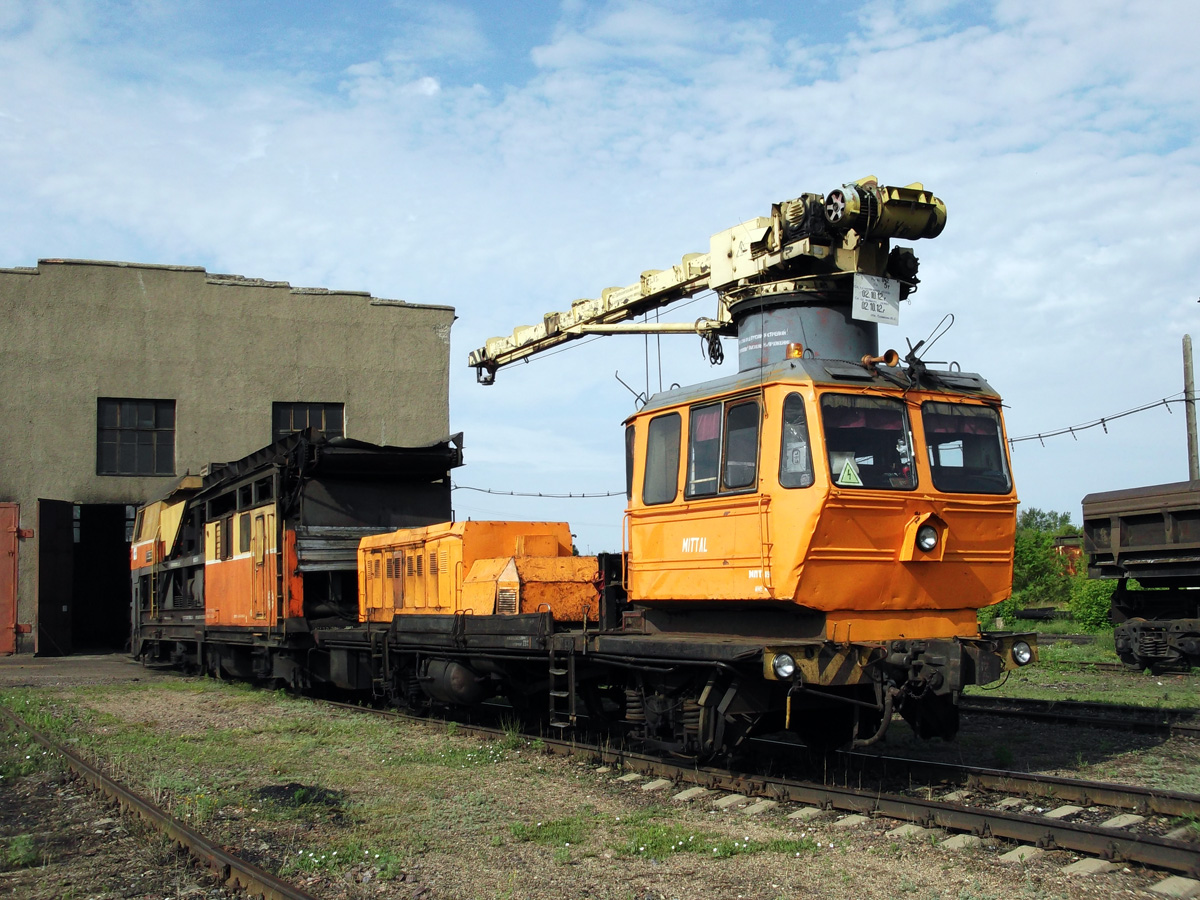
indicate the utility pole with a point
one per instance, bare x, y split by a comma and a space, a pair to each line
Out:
1189, 404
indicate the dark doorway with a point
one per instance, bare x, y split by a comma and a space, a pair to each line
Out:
83, 577
100, 612
56, 555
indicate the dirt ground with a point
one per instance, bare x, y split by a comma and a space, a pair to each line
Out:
435, 816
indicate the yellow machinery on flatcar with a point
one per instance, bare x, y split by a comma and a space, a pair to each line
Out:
476, 568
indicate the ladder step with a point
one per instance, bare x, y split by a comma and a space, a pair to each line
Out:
558, 671
560, 693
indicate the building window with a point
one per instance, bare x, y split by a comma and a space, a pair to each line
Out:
135, 437
327, 418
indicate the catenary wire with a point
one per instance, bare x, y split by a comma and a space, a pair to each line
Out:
1102, 422
465, 487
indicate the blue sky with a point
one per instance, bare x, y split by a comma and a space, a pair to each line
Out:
507, 160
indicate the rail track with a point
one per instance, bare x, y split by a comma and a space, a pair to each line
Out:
234, 871
1137, 719
1143, 835
1102, 666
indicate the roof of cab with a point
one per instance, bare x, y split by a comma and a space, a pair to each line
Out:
846, 373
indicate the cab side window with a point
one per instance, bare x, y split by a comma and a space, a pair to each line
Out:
660, 483
722, 448
704, 450
741, 446
795, 455
629, 435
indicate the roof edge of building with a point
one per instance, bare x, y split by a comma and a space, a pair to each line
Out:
220, 280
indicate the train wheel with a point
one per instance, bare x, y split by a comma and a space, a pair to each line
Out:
605, 704
410, 697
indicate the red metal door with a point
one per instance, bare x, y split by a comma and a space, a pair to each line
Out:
10, 518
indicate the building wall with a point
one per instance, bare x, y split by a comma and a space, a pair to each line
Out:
223, 347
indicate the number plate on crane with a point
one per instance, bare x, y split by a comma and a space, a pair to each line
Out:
876, 299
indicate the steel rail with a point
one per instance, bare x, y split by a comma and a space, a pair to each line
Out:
1109, 843
231, 869
1085, 793
1141, 720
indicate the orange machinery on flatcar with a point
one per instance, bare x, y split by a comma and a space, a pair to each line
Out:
476, 568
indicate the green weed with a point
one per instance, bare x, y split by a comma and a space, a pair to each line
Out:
344, 854
20, 852
556, 833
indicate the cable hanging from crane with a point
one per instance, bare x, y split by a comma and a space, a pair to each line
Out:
1102, 422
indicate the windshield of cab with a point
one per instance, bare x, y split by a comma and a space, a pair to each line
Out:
966, 449
869, 442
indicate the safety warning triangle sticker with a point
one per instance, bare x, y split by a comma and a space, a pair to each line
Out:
849, 476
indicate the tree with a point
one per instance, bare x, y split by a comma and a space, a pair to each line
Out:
1040, 576
1054, 524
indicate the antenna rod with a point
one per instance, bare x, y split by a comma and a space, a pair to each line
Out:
1189, 405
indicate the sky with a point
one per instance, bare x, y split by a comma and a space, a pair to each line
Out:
507, 159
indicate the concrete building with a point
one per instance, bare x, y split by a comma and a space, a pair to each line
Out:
118, 378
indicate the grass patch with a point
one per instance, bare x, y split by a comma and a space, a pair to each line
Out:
454, 755
658, 841
20, 852
342, 855
24, 756
571, 831
1066, 653
1050, 681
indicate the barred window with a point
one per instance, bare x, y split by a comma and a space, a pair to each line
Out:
327, 418
135, 437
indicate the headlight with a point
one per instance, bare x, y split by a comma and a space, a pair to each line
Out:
783, 665
927, 538
1021, 653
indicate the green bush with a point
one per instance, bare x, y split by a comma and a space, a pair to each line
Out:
1040, 576
1090, 602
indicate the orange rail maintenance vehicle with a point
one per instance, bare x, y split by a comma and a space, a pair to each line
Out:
807, 541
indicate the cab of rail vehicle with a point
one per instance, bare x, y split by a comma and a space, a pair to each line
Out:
864, 501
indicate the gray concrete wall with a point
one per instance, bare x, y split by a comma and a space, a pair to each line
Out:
223, 347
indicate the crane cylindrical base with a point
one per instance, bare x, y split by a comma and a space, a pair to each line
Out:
822, 325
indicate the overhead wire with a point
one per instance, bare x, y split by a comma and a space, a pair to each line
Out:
589, 496
1102, 422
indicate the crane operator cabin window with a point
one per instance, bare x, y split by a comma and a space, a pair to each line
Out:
966, 453
869, 442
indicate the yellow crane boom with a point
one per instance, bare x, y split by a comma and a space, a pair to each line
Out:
812, 245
